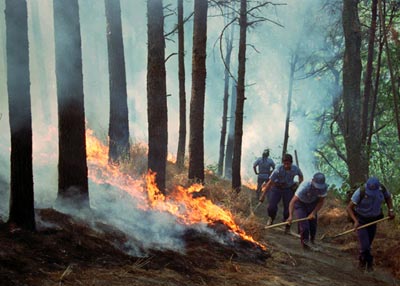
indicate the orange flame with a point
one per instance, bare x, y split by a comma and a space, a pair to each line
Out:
179, 202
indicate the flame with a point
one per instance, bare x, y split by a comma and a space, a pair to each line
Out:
179, 202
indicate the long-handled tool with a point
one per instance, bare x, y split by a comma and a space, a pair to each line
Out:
285, 222
324, 237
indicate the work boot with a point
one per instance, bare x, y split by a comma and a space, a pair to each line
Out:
287, 229
362, 264
270, 221
370, 266
309, 246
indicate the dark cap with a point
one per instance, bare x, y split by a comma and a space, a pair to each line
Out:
318, 181
372, 184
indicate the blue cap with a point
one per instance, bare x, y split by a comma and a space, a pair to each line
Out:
318, 181
372, 184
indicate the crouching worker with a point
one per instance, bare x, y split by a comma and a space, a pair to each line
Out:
306, 202
365, 207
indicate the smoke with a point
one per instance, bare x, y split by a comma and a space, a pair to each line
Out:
267, 78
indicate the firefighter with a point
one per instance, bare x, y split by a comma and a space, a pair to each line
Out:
306, 202
282, 186
265, 166
365, 207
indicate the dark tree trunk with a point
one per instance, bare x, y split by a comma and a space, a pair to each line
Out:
231, 136
17, 49
118, 130
196, 140
356, 158
237, 147
156, 92
229, 44
293, 63
72, 165
368, 73
180, 157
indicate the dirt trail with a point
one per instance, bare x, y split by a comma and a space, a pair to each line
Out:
329, 266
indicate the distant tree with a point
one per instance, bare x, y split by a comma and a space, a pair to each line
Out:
156, 92
356, 156
180, 157
231, 136
118, 130
18, 84
72, 165
229, 46
196, 140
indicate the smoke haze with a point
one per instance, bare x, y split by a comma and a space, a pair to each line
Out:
267, 78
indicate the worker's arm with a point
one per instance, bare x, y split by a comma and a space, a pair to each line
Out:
319, 205
291, 208
350, 211
266, 186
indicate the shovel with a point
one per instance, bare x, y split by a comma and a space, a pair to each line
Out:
324, 237
285, 222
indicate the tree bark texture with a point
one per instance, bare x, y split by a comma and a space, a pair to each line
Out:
368, 73
156, 92
356, 158
196, 139
118, 130
72, 165
180, 157
17, 48
231, 136
237, 146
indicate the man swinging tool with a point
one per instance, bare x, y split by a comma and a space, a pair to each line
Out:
306, 203
363, 208
282, 187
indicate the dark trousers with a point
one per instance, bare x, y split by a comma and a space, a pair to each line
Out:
276, 195
365, 238
308, 228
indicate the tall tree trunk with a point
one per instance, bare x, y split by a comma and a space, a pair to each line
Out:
72, 165
231, 136
390, 67
237, 149
229, 44
196, 139
156, 93
180, 157
356, 158
39, 72
293, 63
17, 49
368, 73
374, 97
118, 130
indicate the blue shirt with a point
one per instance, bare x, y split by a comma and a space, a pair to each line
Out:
370, 205
308, 194
284, 178
265, 166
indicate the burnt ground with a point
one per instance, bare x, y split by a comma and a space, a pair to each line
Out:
67, 251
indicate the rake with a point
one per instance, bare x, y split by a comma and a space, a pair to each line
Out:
285, 223
329, 238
